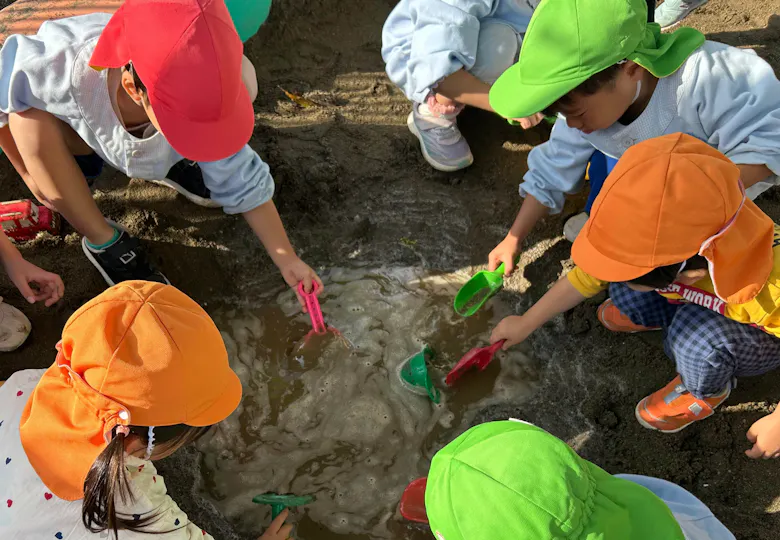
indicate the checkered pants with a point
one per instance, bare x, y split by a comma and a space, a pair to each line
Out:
708, 348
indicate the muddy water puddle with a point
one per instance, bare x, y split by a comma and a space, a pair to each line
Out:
327, 416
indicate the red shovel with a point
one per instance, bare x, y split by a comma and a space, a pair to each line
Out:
413, 501
478, 356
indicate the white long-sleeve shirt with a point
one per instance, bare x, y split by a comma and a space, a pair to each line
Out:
726, 97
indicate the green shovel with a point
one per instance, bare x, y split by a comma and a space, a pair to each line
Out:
280, 502
478, 290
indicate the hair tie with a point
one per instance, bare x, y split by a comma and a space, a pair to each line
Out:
124, 430
149, 443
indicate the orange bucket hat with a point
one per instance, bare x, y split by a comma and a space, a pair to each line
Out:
667, 200
140, 354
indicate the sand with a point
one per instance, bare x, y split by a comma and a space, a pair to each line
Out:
354, 190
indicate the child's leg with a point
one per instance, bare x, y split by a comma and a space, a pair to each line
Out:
497, 50
648, 309
43, 146
710, 349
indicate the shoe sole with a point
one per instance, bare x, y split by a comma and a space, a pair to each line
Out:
200, 201
433, 163
19, 334
91, 257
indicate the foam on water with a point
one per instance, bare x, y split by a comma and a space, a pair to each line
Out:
328, 417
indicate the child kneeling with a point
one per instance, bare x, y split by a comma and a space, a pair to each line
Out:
684, 250
514, 481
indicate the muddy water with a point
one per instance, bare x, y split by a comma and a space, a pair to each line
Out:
327, 416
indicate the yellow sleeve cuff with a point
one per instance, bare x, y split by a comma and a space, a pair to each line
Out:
586, 285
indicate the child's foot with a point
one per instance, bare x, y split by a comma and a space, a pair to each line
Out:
672, 12
187, 179
14, 327
613, 319
573, 226
673, 408
123, 260
441, 142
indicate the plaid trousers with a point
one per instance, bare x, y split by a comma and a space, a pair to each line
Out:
707, 348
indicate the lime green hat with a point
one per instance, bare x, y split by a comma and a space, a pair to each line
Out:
514, 481
568, 41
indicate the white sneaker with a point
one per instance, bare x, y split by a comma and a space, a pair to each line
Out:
573, 226
14, 327
441, 142
672, 12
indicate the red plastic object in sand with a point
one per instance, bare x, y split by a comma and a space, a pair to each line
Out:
313, 307
478, 356
413, 501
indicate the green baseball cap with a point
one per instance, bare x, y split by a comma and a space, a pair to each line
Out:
512, 480
568, 41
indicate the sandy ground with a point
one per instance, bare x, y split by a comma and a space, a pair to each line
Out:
353, 190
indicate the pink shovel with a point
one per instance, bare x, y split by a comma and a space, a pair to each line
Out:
313, 307
478, 356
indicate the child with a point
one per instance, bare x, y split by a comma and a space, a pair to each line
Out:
688, 252
14, 326
512, 480
141, 371
446, 54
616, 81
158, 81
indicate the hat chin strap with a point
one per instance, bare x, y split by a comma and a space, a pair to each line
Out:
149, 444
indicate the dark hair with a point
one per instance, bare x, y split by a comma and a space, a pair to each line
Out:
107, 480
663, 276
139, 85
589, 87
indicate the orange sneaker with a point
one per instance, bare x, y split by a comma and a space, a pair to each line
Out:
673, 408
612, 319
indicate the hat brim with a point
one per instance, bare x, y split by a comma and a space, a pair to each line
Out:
208, 141
589, 259
511, 97
226, 402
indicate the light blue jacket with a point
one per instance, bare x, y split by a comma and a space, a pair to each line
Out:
424, 41
727, 97
50, 72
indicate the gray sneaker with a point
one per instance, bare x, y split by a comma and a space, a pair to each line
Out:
441, 142
672, 12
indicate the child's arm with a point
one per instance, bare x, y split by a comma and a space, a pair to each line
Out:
555, 168
735, 99
22, 273
562, 297
268, 227
242, 184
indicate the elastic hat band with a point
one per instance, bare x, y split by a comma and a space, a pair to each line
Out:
149, 443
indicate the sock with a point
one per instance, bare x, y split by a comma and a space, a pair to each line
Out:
101, 247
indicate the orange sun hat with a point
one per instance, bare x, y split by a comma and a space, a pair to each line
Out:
668, 199
140, 354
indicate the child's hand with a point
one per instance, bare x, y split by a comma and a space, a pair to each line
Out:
296, 271
504, 252
278, 530
765, 436
22, 273
530, 121
512, 329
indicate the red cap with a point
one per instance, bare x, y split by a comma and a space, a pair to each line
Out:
188, 55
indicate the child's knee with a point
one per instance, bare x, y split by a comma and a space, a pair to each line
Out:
249, 76
33, 129
496, 51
